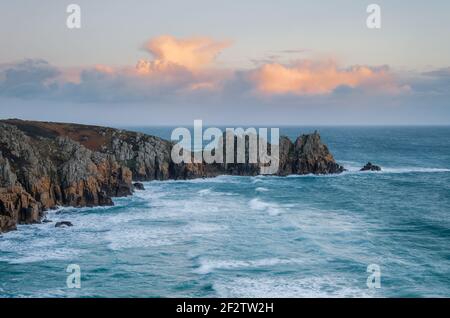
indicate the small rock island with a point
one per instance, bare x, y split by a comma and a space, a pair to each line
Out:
370, 167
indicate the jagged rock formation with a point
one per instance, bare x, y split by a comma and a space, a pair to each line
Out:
44, 165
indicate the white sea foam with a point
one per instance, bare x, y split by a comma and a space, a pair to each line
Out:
259, 205
261, 189
204, 227
218, 179
36, 244
205, 191
327, 286
413, 170
140, 237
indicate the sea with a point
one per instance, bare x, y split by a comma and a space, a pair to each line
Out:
356, 234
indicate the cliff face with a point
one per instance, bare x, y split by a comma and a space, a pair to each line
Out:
39, 173
43, 165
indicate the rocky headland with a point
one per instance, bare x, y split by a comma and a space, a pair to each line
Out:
44, 165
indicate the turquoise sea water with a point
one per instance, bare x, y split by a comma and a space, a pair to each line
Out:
297, 236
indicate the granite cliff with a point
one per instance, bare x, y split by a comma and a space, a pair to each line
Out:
44, 165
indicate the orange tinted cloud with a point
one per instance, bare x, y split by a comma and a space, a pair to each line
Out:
313, 78
186, 61
191, 53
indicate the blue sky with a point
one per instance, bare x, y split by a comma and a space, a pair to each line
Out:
259, 53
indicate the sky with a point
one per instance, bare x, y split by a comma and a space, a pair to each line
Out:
226, 62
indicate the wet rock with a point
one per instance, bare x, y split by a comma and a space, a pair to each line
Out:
370, 167
63, 224
138, 186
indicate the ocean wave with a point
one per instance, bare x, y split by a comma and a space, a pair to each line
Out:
133, 236
413, 170
200, 228
208, 266
205, 191
261, 189
64, 209
32, 244
40, 255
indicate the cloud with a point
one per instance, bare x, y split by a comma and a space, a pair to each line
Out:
183, 64
27, 78
183, 70
294, 51
192, 53
307, 77
433, 83
442, 73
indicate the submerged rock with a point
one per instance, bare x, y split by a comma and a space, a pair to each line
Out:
370, 167
63, 224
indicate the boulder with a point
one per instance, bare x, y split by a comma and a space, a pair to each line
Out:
138, 186
63, 224
370, 167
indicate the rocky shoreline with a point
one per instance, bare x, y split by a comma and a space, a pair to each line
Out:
44, 165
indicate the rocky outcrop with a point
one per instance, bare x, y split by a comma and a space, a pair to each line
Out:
147, 157
370, 167
38, 173
307, 155
312, 156
44, 165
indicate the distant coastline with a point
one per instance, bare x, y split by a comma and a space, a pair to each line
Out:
44, 165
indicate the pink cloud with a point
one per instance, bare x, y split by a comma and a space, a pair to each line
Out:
184, 68
308, 77
192, 53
